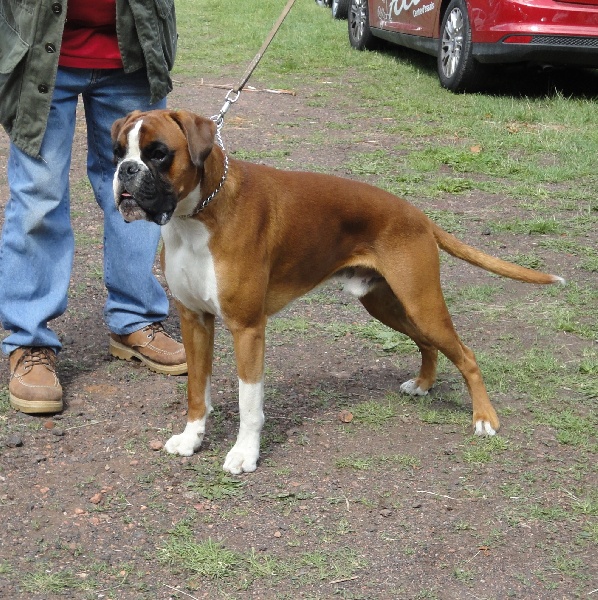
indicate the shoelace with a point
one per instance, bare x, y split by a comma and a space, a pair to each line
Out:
154, 328
37, 356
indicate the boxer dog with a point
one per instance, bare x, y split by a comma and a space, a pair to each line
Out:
242, 240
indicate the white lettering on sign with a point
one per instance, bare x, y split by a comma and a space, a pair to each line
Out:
395, 8
418, 12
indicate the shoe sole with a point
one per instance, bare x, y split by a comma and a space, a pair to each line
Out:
34, 407
123, 352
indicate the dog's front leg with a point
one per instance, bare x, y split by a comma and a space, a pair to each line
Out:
198, 337
249, 350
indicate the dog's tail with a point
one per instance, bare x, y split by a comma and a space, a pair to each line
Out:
449, 243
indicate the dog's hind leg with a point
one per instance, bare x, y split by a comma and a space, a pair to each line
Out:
440, 331
249, 345
198, 338
383, 305
416, 285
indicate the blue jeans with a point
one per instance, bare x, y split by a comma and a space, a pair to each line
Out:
37, 245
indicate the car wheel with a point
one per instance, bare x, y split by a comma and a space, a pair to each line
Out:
360, 35
457, 68
340, 9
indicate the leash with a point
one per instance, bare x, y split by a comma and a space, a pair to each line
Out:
231, 97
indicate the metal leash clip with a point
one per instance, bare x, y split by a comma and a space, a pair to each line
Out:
228, 100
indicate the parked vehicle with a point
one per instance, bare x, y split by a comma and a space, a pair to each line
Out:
466, 35
339, 8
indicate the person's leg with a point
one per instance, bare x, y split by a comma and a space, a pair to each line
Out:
36, 256
136, 302
37, 246
135, 297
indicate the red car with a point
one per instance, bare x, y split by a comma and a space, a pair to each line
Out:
465, 35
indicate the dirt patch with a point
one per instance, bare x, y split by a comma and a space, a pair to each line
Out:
393, 499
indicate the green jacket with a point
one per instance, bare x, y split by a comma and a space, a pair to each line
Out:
30, 37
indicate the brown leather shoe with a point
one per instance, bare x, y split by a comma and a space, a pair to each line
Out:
34, 386
155, 348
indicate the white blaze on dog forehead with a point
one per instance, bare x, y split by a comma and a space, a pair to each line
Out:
133, 143
133, 153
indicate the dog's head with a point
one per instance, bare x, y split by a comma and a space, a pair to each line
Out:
160, 156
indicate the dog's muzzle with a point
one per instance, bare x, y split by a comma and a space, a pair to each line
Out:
140, 195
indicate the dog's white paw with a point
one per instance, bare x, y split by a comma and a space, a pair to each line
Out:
182, 445
242, 458
410, 387
484, 428
186, 443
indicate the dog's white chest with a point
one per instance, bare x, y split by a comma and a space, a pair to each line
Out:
190, 269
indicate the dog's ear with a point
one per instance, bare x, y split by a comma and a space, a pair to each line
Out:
119, 124
199, 132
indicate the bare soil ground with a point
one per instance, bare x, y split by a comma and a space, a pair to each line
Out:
401, 502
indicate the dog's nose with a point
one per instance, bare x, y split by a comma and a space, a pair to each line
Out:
132, 168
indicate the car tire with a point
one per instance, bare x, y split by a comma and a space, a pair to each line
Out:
458, 70
360, 34
340, 9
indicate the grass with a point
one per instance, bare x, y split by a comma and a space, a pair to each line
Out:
372, 414
481, 294
292, 326
43, 581
571, 428
447, 219
387, 339
444, 416
4, 401
255, 155
484, 450
535, 372
536, 226
205, 559
211, 483
359, 463
212, 560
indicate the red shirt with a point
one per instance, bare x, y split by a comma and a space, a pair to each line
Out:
89, 40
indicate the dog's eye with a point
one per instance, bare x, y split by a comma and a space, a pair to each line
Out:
118, 153
158, 155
